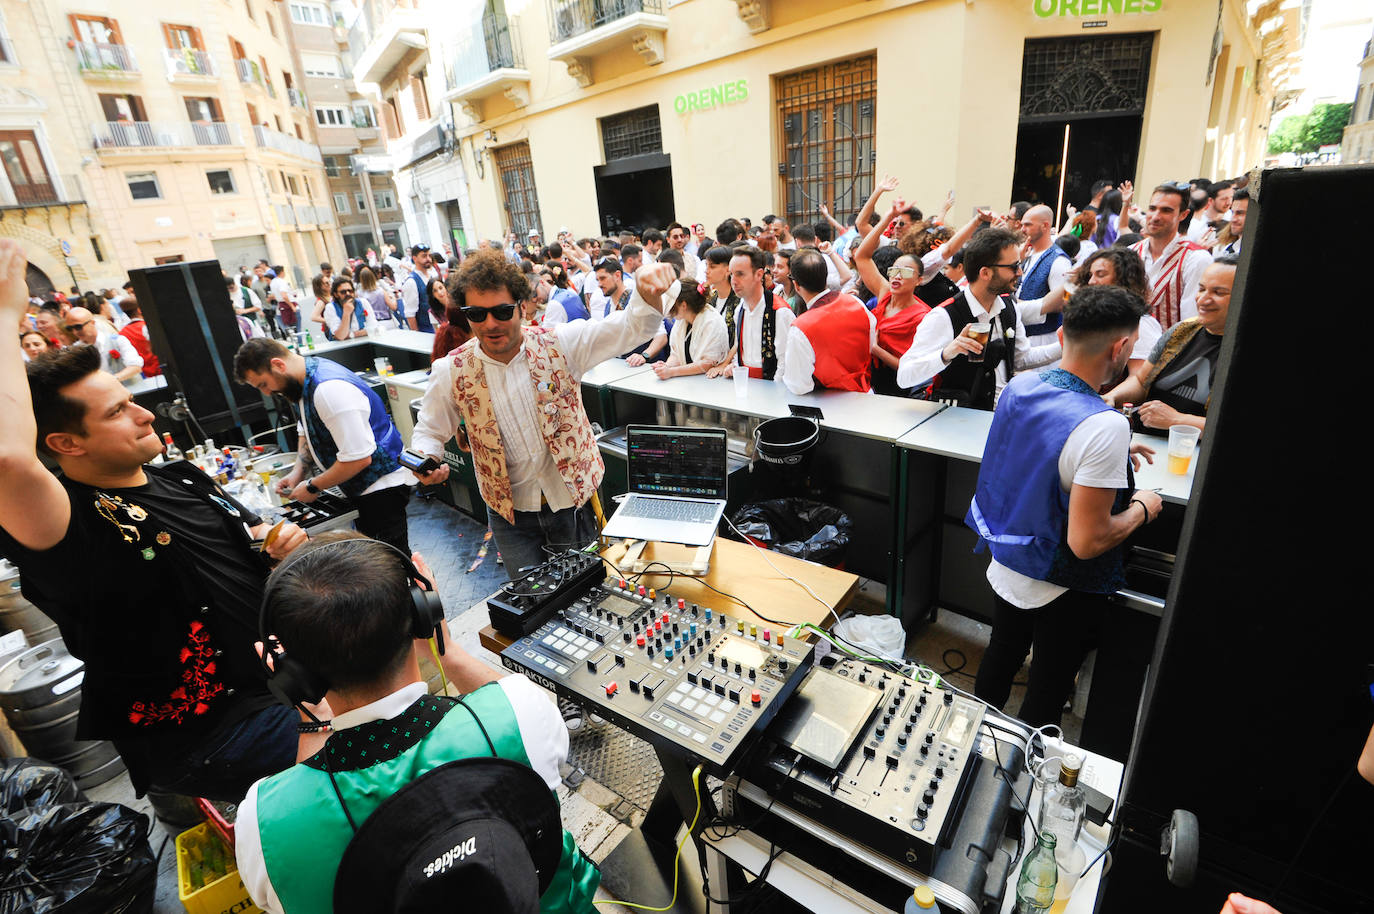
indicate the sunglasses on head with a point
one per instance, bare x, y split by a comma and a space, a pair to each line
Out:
479, 315
420, 248
1184, 186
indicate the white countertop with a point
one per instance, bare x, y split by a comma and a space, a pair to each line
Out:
143, 385
962, 433
409, 340
612, 370
866, 415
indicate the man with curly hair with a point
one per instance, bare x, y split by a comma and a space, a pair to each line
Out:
512, 396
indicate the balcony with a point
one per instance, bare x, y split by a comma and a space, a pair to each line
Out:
296, 98
281, 142
487, 61
109, 136
104, 61
384, 32
250, 74
65, 191
581, 29
190, 63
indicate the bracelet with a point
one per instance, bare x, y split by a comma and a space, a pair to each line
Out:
1148, 518
321, 726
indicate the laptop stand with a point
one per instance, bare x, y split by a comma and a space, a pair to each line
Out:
689, 561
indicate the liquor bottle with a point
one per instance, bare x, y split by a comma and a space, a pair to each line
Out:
1039, 873
1062, 807
170, 451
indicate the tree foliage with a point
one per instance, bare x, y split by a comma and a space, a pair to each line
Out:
1322, 126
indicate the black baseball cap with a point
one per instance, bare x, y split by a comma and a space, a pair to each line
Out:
417, 248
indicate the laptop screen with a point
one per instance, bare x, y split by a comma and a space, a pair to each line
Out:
685, 462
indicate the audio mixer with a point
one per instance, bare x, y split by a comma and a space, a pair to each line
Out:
666, 670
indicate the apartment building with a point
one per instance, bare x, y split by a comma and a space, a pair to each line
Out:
401, 53
1357, 141
181, 131
345, 125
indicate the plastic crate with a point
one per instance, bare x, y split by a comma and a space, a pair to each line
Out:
226, 895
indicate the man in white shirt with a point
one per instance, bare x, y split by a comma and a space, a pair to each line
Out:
345, 428
117, 355
347, 316
943, 341
831, 344
677, 240
1045, 268
653, 245
761, 321
414, 294
1173, 264
778, 228
1218, 209
1240, 206
512, 396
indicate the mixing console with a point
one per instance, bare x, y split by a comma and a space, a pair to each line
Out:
666, 670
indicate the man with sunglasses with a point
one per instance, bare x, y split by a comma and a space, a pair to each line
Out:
1173, 264
414, 297
345, 429
347, 316
512, 396
117, 355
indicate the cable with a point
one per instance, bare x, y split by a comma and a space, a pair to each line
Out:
764, 553
1011, 783
1105, 850
696, 789
952, 669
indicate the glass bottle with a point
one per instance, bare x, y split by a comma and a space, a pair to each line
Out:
1039, 873
1063, 805
170, 451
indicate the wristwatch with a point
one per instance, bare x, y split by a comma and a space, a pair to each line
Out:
311, 487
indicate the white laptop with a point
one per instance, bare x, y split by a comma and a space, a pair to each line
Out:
677, 485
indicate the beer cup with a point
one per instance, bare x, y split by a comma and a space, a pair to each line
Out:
980, 332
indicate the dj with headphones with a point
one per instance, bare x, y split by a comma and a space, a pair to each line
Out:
411, 796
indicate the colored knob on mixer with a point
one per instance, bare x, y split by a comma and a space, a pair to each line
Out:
681, 604
693, 629
740, 626
658, 626
708, 613
641, 590
779, 639
622, 585
767, 635
640, 641
755, 697
611, 689
668, 652
665, 618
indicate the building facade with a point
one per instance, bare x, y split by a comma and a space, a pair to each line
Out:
599, 114
180, 132
1357, 142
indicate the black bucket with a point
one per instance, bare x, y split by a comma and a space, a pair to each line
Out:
786, 441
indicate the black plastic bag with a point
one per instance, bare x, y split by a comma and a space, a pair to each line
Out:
797, 527
25, 783
71, 858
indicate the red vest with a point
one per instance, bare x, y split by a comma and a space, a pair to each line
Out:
838, 329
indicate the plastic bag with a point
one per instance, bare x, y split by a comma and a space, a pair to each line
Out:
882, 636
70, 857
797, 527
26, 784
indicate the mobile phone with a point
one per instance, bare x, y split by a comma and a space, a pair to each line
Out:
419, 463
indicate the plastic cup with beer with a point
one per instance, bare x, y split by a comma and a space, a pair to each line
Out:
980, 332
741, 376
1182, 444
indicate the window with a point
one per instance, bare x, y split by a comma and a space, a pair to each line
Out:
826, 137
384, 199
143, 185
309, 14
169, 258
331, 116
221, 181
122, 108
392, 115
364, 116
95, 246
203, 110
327, 65
331, 167
277, 119
25, 168
360, 200
521, 199
248, 5
417, 89
182, 37
631, 133
274, 181
292, 185
341, 204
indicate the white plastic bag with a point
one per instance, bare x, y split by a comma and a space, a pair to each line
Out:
881, 636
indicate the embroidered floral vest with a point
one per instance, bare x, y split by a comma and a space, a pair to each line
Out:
563, 422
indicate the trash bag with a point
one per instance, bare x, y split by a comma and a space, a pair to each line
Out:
72, 857
882, 636
25, 783
797, 527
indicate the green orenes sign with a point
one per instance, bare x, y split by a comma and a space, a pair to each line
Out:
1048, 9
714, 97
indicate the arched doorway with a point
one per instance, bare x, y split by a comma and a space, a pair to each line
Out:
40, 286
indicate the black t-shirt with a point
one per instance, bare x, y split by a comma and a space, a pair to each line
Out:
1187, 381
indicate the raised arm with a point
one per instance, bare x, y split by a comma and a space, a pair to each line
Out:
861, 222
839, 229
1123, 220
966, 231
874, 281
34, 509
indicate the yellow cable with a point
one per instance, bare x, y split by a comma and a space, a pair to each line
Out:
696, 788
434, 649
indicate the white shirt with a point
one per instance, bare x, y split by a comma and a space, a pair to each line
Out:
332, 320
750, 338
797, 367
554, 313
1095, 456
279, 289
344, 410
1195, 263
1150, 332
542, 732
530, 466
1029, 309
710, 339
128, 355
924, 360
410, 295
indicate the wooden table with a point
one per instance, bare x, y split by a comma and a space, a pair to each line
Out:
739, 569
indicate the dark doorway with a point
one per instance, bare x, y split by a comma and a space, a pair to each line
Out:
1103, 148
635, 192
1097, 88
40, 286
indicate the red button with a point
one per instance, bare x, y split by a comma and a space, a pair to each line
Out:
642, 591
767, 636
755, 697
621, 585
681, 604
611, 688
665, 619
640, 641
658, 626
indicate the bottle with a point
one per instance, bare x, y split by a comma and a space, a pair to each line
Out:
1063, 805
227, 464
921, 900
309, 341
1039, 873
170, 451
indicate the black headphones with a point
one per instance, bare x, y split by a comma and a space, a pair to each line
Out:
287, 678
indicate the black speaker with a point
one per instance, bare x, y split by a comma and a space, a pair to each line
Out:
1259, 701
195, 334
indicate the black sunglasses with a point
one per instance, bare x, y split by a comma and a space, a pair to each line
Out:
479, 315
74, 328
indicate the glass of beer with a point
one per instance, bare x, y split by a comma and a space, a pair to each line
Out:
981, 333
1182, 444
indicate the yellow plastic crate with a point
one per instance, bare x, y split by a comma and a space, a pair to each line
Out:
196, 848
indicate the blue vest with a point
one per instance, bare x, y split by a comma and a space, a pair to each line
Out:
1020, 510
572, 304
1036, 284
346, 324
385, 458
422, 321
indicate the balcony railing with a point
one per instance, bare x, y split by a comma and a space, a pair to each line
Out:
571, 18
101, 58
136, 134
296, 98
275, 139
189, 62
45, 192
489, 45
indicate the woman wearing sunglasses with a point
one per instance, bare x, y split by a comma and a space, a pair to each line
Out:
898, 310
